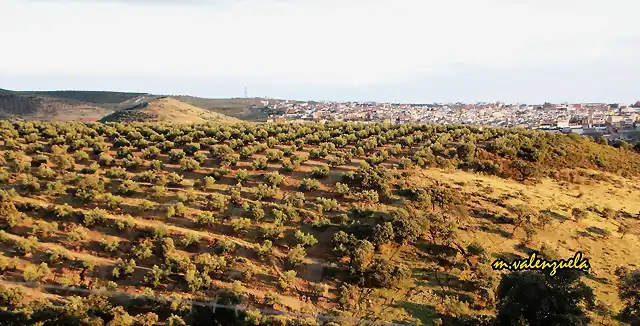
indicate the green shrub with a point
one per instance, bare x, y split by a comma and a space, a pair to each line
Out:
176, 155
123, 268
191, 149
216, 202
265, 249
151, 153
327, 204
12, 296
240, 224
271, 299
367, 196
132, 163
208, 183
319, 172
305, 239
36, 273
295, 199
242, 175
309, 184
211, 263
26, 246
7, 263
274, 156
44, 228
156, 276
94, 216
341, 189
116, 172
81, 156
174, 179
128, 187
190, 239
287, 278
143, 249
254, 210
110, 245
265, 191
383, 233
387, 274
296, 256
275, 179
189, 164
205, 218
259, 164
77, 234
290, 165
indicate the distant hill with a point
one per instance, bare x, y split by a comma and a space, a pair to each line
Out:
46, 108
167, 109
105, 98
66, 105
242, 108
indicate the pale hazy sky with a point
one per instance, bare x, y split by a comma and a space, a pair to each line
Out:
384, 50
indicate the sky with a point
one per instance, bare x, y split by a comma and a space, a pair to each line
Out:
419, 51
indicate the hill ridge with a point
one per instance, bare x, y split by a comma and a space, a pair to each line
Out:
95, 105
166, 109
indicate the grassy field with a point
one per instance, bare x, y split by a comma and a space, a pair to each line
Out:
375, 222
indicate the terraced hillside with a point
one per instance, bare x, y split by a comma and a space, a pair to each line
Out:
351, 223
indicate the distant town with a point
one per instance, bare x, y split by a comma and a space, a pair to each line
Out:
615, 121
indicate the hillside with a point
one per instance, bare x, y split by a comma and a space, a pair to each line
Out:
354, 223
98, 97
166, 109
34, 107
94, 105
238, 108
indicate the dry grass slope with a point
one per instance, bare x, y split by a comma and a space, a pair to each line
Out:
168, 110
238, 108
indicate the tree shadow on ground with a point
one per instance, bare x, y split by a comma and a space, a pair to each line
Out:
523, 249
491, 217
426, 314
601, 280
497, 231
555, 215
598, 231
506, 256
458, 295
586, 235
444, 282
